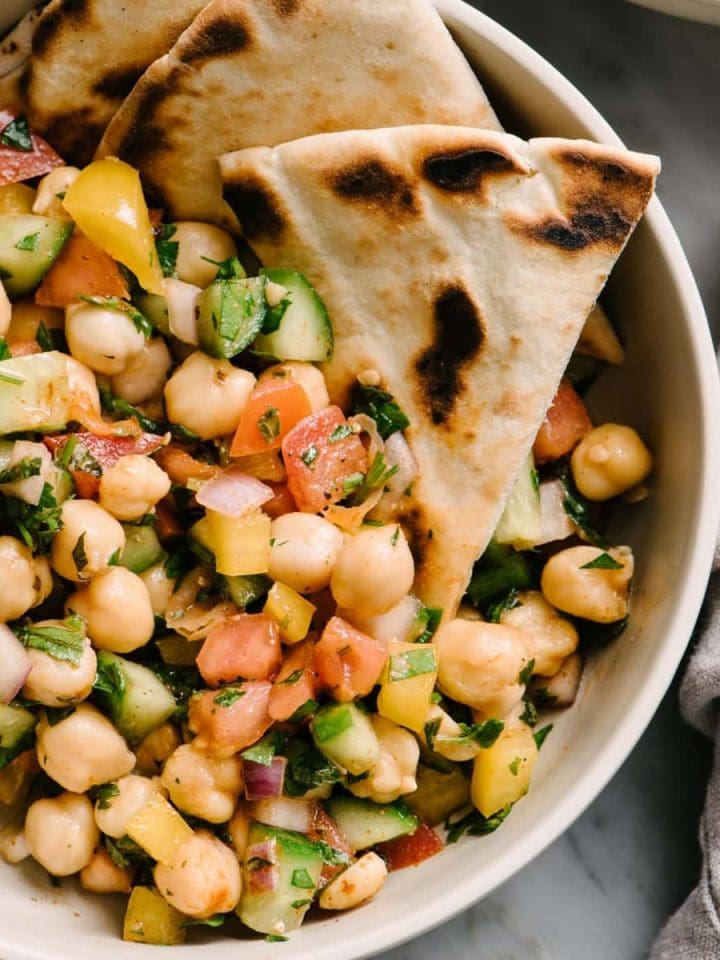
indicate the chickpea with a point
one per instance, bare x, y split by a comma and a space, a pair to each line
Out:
61, 833
145, 373
202, 878
304, 551
27, 317
58, 181
596, 594
83, 750
358, 883
305, 375
156, 748
5, 311
374, 570
13, 845
103, 539
182, 308
100, 337
198, 240
239, 828
446, 732
114, 814
610, 460
23, 580
57, 683
207, 396
159, 586
480, 664
117, 610
102, 875
132, 486
395, 624
201, 785
552, 637
561, 689
30, 489
393, 774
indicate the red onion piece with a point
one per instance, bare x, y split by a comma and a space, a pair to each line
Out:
288, 813
264, 782
398, 454
261, 859
15, 665
234, 493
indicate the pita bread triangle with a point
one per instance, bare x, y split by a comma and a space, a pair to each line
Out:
261, 72
461, 265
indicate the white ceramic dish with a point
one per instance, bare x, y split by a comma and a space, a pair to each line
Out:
669, 390
706, 11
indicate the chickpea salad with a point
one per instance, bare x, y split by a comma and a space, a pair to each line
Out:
219, 696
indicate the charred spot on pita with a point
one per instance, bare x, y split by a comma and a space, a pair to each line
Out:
285, 8
583, 229
217, 38
52, 22
116, 84
372, 181
458, 338
75, 134
256, 208
463, 171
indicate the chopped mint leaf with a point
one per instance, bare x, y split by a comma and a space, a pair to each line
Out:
309, 456
475, 824
381, 406
166, 248
142, 324
541, 735
105, 795
302, 879
526, 672
27, 467
412, 663
29, 244
269, 424
508, 602
17, 135
228, 697
603, 562
65, 641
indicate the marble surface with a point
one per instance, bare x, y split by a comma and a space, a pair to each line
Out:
602, 891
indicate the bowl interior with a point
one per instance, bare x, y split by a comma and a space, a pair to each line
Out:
668, 390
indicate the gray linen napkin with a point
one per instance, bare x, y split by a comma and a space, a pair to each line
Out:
693, 932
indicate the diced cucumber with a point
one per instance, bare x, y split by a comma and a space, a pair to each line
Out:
35, 393
151, 919
16, 726
242, 591
305, 331
498, 570
142, 548
29, 246
345, 735
155, 309
365, 823
520, 522
138, 701
291, 865
231, 315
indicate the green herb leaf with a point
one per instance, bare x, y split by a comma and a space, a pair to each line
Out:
381, 406
27, 467
264, 750
395, 537
541, 735
304, 710
431, 729
274, 315
13, 378
275, 938
475, 824
579, 509
74, 455
228, 697
269, 424
411, 663
299, 904
425, 626
142, 324
214, 922
307, 768
603, 562
30, 243
35, 525
292, 679
526, 672
166, 248
4, 348
65, 641
310, 455
45, 339
17, 135
508, 602
529, 714
543, 698
121, 408
484, 733
106, 794
498, 570
109, 679
341, 431
302, 879
79, 556
352, 483
230, 269
514, 766
377, 476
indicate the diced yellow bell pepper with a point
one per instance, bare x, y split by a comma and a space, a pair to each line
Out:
177, 650
241, 547
107, 203
407, 683
501, 773
293, 613
150, 919
16, 198
159, 829
438, 794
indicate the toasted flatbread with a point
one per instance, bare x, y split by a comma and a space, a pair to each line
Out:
86, 58
260, 72
14, 55
460, 264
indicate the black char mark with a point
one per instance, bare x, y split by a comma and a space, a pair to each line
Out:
256, 209
117, 84
286, 8
218, 38
52, 22
145, 138
583, 228
371, 181
459, 337
463, 171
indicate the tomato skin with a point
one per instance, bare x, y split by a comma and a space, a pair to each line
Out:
81, 270
282, 501
17, 165
316, 485
325, 829
246, 645
566, 423
286, 698
348, 663
108, 450
290, 403
411, 850
224, 730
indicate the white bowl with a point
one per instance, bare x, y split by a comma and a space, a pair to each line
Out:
669, 390
706, 11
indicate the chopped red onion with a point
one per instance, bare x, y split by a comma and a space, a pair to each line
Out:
15, 665
287, 813
264, 782
234, 493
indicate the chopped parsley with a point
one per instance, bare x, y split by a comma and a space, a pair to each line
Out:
109, 679
142, 324
167, 249
65, 641
309, 455
228, 697
529, 715
121, 408
49, 340
579, 510
603, 562
299, 904
217, 921
17, 135
105, 795
302, 879
377, 476
79, 556
503, 605
411, 663
475, 824
341, 431
274, 315
381, 406
4, 348
514, 766
292, 679
395, 537
30, 243
426, 623
27, 467
307, 768
526, 672
431, 730
230, 269
303, 711
540, 735
35, 525
264, 750
269, 424
276, 938
352, 483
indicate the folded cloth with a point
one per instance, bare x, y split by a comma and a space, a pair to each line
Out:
693, 932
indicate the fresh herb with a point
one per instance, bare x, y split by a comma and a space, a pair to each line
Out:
54, 715
13, 378
30, 243
217, 921
369, 522
331, 855
299, 904
276, 938
181, 433
4, 348
602, 562
181, 681
377, 476
526, 672
341, 431
27, 467
105, 795
495, 611
310, 455
79, 556
307, 768
124, 852
49, 340
514, 766
431, 729
303, 711
228, 697
411, 663
395, 537
230, 269
381, 406
543, 698
579, 510
109, 679
121, 408
530, 713
426, 623
264, 750
274, 315
292, 679
142, 324
535, 480
269, 424
498, 570
475, 824
600, 634
302, 880
541, 735
484, 734
17, 135
352, 483
64, 641
166, 248
35, 525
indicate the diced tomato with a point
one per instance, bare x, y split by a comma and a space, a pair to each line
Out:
320, 455
16, 164
108, 450
295, 684
274, 407
411, 850
230, 719
246, 646
282, 501
87, 485
81, 270
325, 830
167, 523
566, 423
348, 662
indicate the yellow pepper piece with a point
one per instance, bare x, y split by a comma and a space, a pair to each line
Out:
241, 547
151, 919
293, 613
407, 701
501, 773
16, 198
159, 829
107, 203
